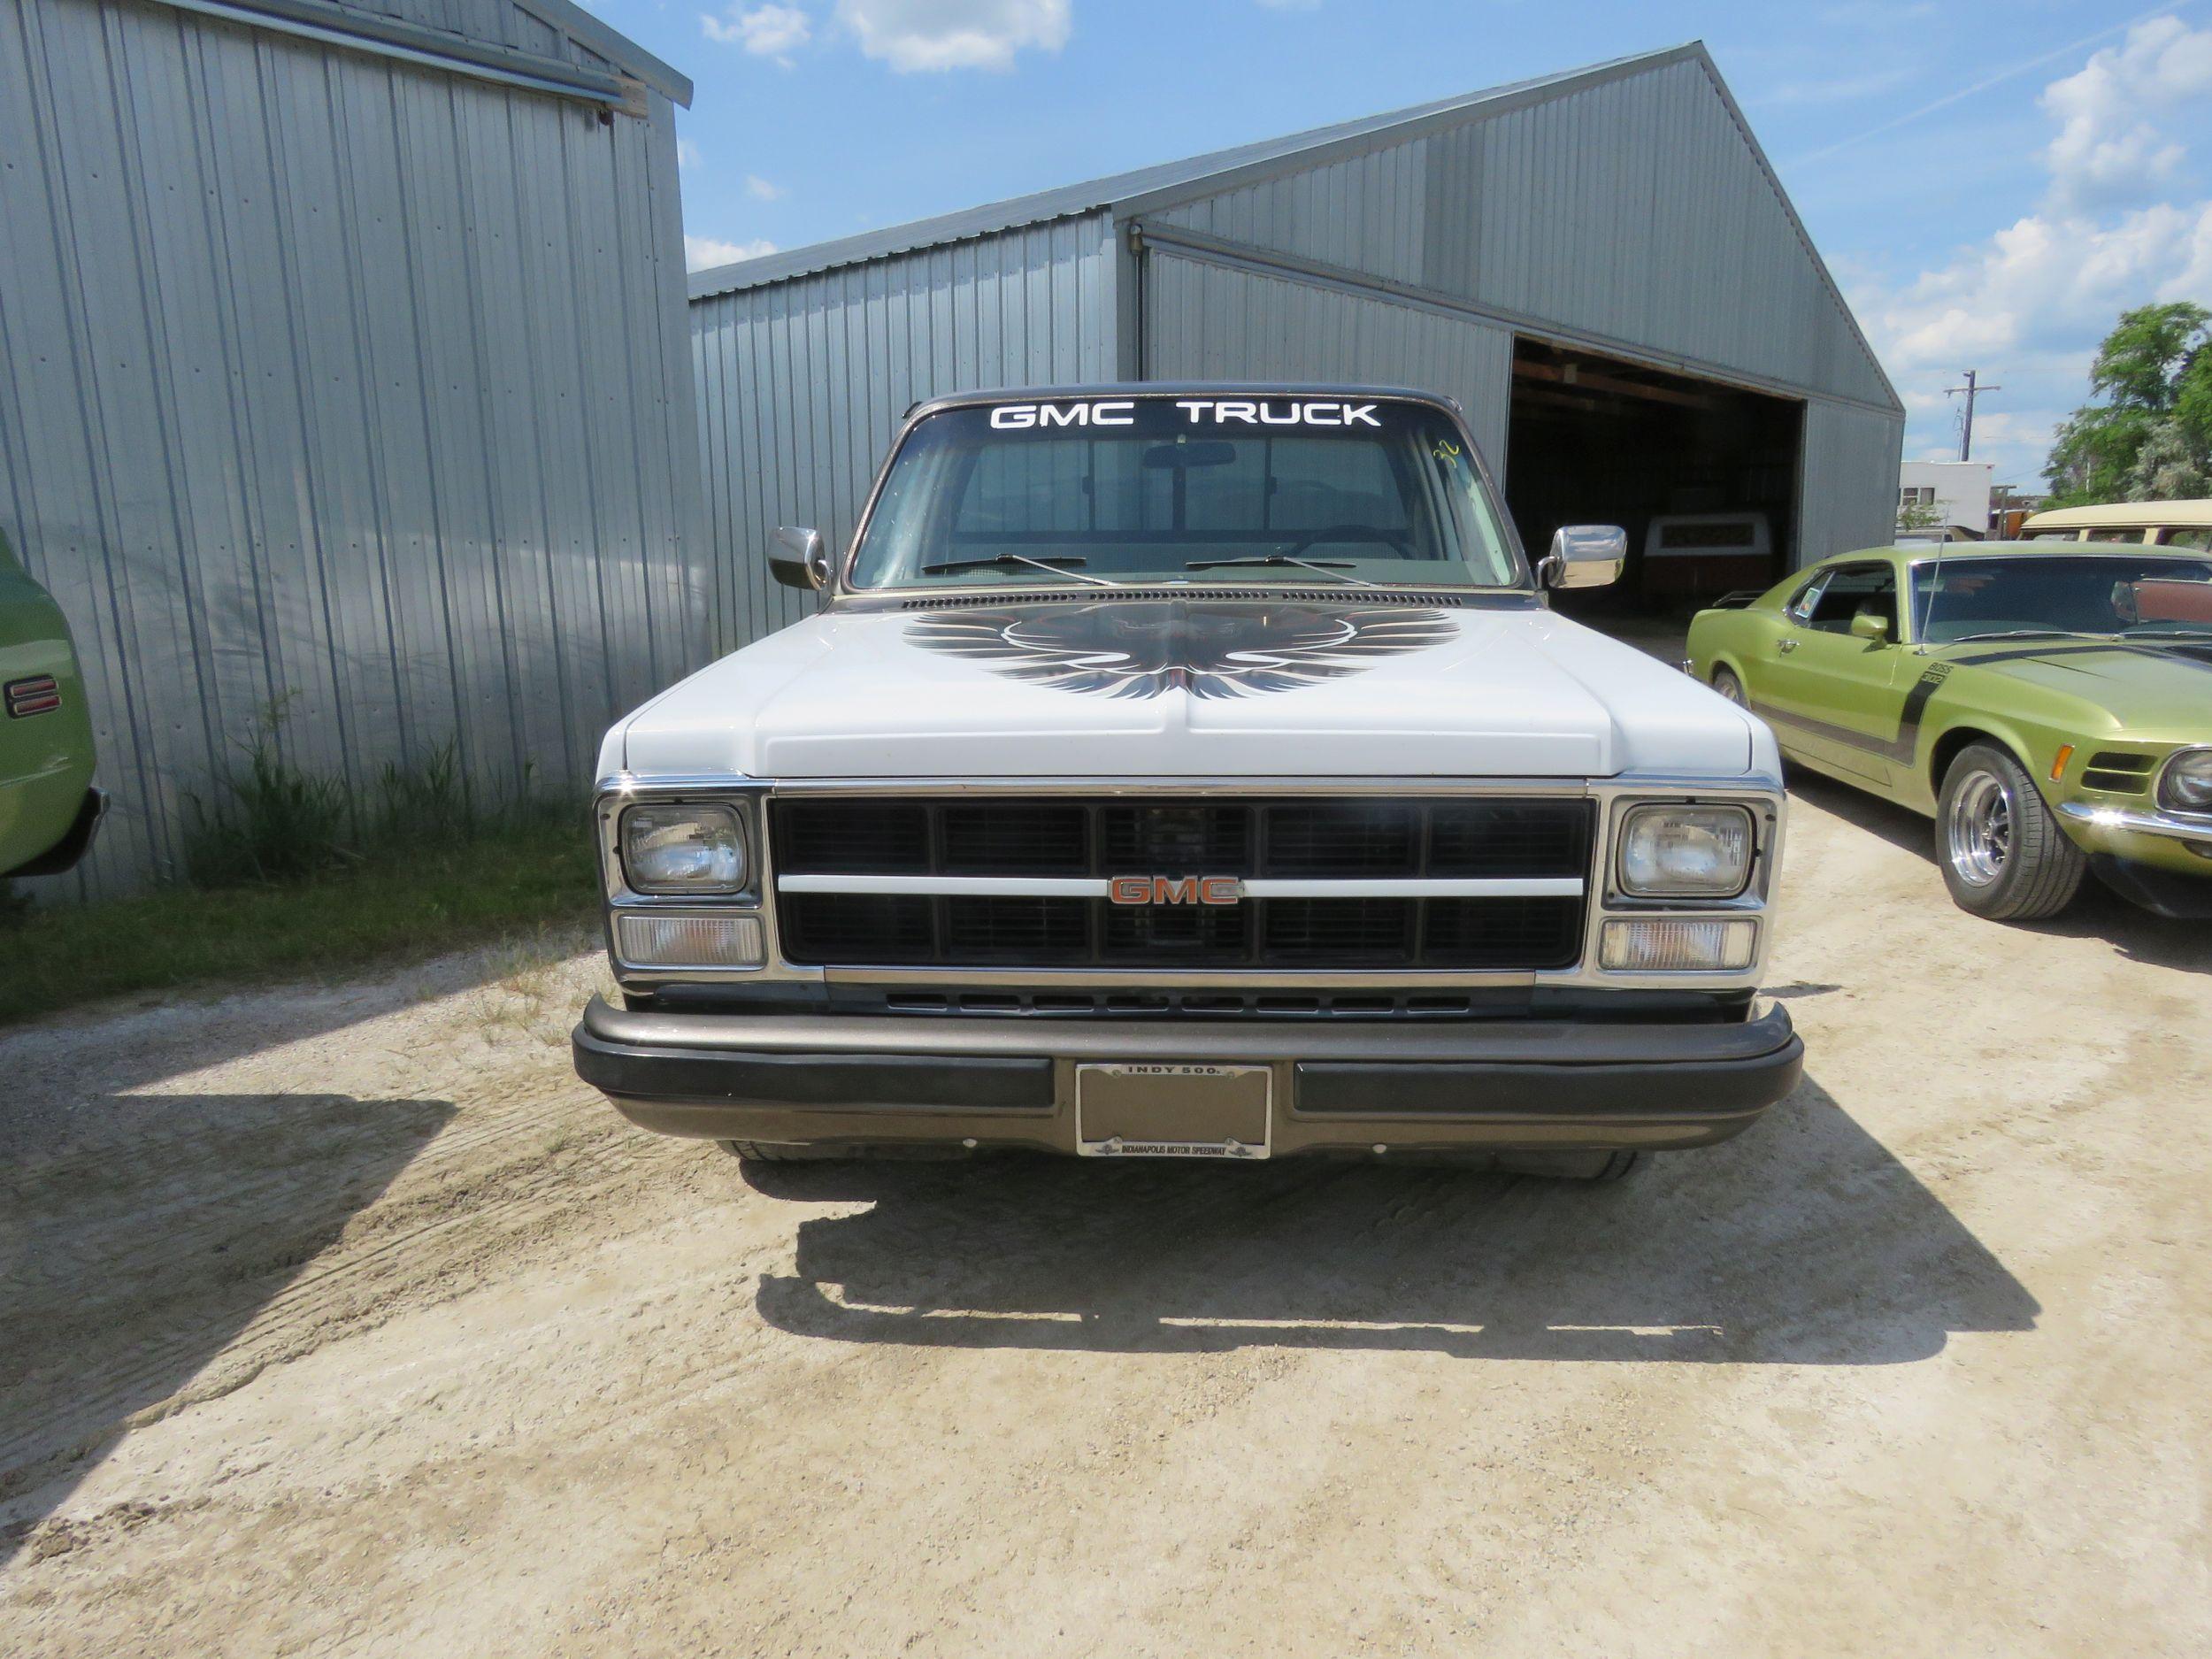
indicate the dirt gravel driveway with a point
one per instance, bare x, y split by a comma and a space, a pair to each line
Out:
346, 1321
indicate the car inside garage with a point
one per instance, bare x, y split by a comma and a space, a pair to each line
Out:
1703, 475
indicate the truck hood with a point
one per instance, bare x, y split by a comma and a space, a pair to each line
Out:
1189, 687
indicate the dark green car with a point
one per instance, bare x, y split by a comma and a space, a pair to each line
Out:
2049, 704
49, 809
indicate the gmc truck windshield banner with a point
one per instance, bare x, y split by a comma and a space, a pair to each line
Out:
1159, 413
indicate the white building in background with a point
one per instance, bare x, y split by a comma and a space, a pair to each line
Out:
1959, 491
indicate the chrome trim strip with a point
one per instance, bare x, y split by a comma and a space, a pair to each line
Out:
1254, 886
2138, 821
953, 886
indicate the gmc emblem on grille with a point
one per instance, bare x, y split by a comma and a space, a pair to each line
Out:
1176, 890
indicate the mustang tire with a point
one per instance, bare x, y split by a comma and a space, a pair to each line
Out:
2002, 853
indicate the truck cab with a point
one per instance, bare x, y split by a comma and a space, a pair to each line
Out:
1191, 771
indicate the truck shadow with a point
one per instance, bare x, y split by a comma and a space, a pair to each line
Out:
1803, 1241
131, 1260
2099, 913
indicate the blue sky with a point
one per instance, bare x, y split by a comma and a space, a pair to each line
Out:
1991, 183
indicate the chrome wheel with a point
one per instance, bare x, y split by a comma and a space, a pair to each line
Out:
1729, 688
1980, 829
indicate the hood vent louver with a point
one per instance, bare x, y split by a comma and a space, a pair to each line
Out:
1364, 596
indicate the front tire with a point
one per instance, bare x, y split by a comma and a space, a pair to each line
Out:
775, 1152
2002, 853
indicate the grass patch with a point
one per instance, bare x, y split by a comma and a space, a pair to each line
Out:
531, 871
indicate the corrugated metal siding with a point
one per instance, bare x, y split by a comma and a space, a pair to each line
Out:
1849, 490
802, 384
1634, 211
1210, 321
329, 381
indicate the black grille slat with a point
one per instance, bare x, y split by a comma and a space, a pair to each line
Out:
818, 838
2117, 772
1319, 838
1509, 838
1343, 838
1186, 935
1355, 932
1501, 932
1016, 930
857, 927
1175, 838
1017, 839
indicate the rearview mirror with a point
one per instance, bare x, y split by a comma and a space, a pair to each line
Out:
799, 558
1182, 452
1585, 556
1870, 625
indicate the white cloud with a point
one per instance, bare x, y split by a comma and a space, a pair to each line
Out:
933, 35
761, 190
700, 252
2109, 152
769, 31
2028, 305
688, 154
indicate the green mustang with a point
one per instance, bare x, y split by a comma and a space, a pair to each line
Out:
2049, 704
49, 810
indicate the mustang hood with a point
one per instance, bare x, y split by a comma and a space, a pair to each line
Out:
2142, 685
1188, 687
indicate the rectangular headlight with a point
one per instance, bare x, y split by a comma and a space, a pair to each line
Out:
1684, 852
683, 847
1655, 946
644, 940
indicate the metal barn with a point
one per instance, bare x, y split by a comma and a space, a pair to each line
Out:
1601, 266
342, 371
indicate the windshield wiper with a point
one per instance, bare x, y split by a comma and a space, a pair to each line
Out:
2026, 633
1326, 567
1057, 565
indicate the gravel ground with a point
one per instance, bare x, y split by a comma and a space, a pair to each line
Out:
344, 1320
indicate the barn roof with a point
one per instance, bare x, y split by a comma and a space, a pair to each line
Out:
1149, 188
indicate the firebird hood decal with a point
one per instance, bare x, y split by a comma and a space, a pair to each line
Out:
1157, 685
1146, 648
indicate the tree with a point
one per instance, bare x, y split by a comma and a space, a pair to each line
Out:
2150, 439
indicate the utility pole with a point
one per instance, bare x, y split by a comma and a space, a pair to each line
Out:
1970, 391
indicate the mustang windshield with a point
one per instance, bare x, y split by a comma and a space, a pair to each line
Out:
1099, 492
2052, 595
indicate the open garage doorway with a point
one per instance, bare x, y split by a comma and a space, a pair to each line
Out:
1702, 476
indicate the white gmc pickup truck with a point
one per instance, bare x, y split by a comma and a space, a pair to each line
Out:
1191, 771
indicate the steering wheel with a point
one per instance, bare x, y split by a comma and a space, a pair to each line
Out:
1347, 532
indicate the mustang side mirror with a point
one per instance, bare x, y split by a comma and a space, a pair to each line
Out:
1585, 556
1870, 625
799, 558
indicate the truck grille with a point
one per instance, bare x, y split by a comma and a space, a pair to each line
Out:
1311, 838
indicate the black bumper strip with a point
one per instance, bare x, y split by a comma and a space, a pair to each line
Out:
1658, 1091
1525, 1068
1008, 1084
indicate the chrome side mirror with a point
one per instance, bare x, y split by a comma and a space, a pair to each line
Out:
799, 558
1585, 556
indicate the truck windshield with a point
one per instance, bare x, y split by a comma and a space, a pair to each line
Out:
1363, 491
2052, 594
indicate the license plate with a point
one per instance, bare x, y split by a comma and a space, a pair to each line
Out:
1168, 1110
